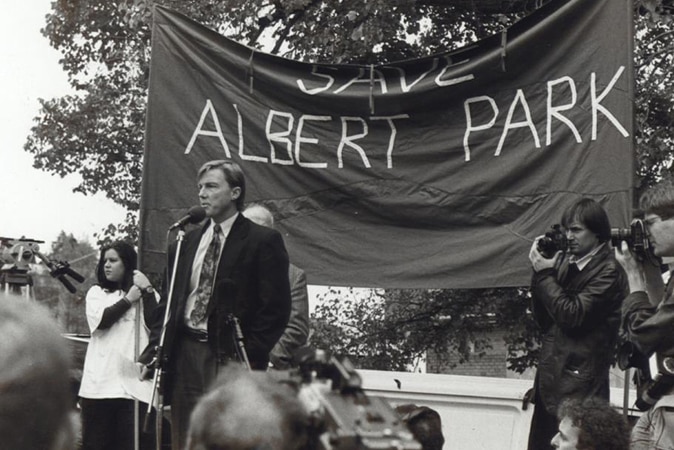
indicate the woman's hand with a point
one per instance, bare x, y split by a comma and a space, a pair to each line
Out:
140, 280
134, 294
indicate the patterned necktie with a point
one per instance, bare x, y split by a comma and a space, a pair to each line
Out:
206, 278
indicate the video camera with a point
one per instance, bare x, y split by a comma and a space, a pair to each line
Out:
342, 416
19, 253
553, 241
654, 376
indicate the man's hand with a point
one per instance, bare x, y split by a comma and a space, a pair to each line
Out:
640, 276
146, 373
540, 262
626, 258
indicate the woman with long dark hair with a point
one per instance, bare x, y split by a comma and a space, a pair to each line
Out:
110, 379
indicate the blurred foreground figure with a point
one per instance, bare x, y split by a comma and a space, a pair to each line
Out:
248, 410
590, 424
35, 398
424, 423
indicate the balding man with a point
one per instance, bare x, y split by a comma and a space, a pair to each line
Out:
246, 411
297, 331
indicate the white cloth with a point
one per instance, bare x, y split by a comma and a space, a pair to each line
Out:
110, 370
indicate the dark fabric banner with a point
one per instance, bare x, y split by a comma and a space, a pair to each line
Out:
429, 173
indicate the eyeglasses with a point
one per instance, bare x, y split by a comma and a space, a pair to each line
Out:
653, 220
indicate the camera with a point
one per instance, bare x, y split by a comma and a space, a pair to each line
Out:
635, 236
341, 415
654, 376
553, 241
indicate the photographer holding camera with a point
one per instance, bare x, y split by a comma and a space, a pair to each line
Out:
648, 311
576, 297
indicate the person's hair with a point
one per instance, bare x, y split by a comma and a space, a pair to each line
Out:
592, 215
246, 410
35, 396
259, 214
128, 256
424, 423
659, 200
233, 175
600, 426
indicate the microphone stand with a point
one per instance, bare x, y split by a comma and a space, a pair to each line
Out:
159, 356
238, 339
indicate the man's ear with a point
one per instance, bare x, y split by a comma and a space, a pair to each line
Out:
236, 193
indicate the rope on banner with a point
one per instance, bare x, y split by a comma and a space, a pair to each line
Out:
504, 43
372, 89
251, 72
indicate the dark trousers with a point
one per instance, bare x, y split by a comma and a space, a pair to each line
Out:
544, 427
107, 424
195, 370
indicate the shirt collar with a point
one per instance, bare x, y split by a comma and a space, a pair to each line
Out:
582, 262
226, 225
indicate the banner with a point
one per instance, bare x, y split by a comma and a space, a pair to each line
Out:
431, 173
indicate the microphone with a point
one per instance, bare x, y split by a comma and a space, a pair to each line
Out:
194, 215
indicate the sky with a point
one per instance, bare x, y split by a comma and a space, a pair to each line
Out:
34, 203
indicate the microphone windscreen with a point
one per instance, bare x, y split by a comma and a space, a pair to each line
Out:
197, 214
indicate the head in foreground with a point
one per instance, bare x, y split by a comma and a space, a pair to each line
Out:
35, 402
590, 424
246, 410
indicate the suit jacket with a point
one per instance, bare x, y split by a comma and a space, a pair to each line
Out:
251, 283
297, 330
579, 316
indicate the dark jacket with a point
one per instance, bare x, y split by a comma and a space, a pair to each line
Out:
251, 284
579, 316
650, 328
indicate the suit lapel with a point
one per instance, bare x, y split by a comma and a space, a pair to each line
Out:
229, 258
182, 287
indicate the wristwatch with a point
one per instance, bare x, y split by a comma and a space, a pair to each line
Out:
148, 290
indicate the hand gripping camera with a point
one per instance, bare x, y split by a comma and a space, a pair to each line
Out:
553, 241
636, 238
342, 416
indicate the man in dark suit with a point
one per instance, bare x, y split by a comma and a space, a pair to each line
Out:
232, 276
297, 331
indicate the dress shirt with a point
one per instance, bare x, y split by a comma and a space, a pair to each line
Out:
582, 262
205, 241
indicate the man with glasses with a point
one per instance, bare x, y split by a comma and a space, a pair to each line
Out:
576, 297
648, 311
